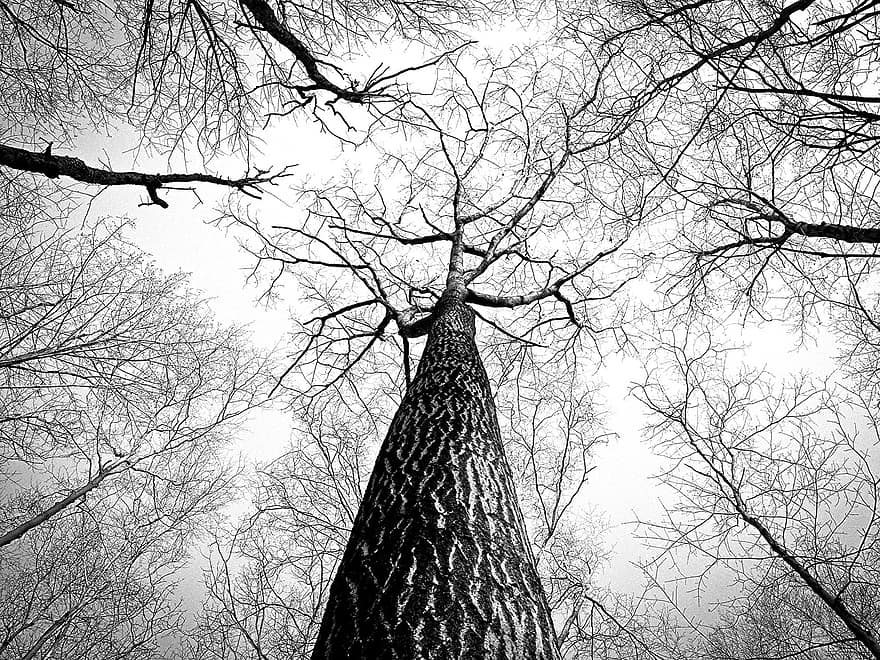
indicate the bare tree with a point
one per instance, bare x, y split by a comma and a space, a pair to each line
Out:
486, 212
767, 148
779, 496
118, 395
269, 582
514, 196
760, 132
502, 214
197, 78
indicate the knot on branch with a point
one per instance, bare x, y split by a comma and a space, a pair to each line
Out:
414, 322
153, 192
451, 313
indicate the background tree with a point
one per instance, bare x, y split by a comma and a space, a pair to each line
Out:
119, 393
194, 80
768, 148
778, 499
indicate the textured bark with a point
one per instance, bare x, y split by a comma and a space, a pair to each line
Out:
438, 564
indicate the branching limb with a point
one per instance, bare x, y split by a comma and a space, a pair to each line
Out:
77, 494
375, 87
770, 213
268, 21
53, 166
548, 291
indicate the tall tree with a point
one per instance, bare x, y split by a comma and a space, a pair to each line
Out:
439, 560
495, 198
509, 184
438, 563
765, 151
194, 80
269, 577
769, 151
780, 497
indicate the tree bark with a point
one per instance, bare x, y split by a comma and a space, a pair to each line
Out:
438, 564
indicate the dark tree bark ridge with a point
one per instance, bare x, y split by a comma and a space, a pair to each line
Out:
438, 564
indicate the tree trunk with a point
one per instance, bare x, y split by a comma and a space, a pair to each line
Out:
438, 564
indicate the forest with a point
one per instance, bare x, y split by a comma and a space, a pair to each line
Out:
447, 329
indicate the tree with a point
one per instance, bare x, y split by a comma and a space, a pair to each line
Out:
768, 146
439, 519
188, 77
268, 583
516, 192
118, 392
194, 77
780, 496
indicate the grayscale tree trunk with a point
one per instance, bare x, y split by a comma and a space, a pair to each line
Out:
438, 564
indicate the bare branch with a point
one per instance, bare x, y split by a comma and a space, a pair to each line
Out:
53, 166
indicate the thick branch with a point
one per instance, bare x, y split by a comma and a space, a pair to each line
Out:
858, 629
784, 17
846, 233
52, 166
61, 504
263, 14
832, 231
414, 322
